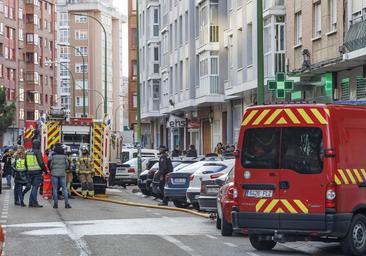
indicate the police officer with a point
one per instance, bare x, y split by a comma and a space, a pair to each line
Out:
85, 171
165, 167
35, 167
20, 176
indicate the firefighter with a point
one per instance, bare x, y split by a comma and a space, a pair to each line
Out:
73, 159
86, 173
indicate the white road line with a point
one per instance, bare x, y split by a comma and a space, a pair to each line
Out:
231, 245
212, 237
252, 254
156, 213
181, 245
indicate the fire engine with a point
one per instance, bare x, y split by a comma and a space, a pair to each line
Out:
74, 133
300, 175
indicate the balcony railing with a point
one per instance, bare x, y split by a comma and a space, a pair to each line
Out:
271, 3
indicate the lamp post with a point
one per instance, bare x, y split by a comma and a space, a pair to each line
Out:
260, 54
73, 87
138, 114
105, 58
15, 100
115, 117
83, 58
96, 110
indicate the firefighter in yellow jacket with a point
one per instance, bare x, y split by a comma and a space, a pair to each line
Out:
86, 172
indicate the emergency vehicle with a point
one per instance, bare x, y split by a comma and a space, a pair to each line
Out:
75, 133
300, 174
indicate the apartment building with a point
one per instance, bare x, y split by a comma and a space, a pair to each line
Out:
27, 43
81, 36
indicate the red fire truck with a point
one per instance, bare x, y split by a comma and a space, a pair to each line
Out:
300, 174
74, 133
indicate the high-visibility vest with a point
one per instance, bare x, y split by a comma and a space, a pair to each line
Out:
20, 165
84, 164
32, 162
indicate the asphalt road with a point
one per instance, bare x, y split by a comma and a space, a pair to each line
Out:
98, 228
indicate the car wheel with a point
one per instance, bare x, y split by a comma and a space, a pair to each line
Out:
181, 204
261, 245
226, 227
355, 241
218, 222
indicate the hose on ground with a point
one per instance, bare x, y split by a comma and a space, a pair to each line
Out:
143, 205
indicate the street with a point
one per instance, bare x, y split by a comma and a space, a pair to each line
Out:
99, 228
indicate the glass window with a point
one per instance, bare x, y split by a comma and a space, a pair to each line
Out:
300, 149
298, 28
332, 15
317, 28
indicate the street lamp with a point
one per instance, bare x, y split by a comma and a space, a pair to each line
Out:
105, 57
83, 58
96, 110
115, 117
15, 100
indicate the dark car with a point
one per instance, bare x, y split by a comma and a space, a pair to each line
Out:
141, 182
155, 182
177, 183
208, 195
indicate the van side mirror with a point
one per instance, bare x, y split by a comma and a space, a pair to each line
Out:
236, 153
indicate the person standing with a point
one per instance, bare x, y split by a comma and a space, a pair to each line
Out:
7, 166
165, 167
20, 176
35, 167
85, 171
70, 173
192, 152
58, 164
176, 152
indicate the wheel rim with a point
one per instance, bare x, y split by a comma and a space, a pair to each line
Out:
358, 235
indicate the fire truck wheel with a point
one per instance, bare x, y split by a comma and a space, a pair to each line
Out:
261, 245
355, 241
226, 227
218, 222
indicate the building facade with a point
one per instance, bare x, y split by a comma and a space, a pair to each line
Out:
27, 44
81, 36
132, 63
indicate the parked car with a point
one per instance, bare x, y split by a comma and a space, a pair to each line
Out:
142, 180
225, 202
130, 153
177, 183
126, 174
2, 239
208, 195
208, 171
155, 179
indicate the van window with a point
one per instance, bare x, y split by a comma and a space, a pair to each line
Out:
125, 157
299, 150
261, 148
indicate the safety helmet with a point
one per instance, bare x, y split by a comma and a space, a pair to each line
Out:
84, 149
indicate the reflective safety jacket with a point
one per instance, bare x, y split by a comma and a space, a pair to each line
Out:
32, 163
84, 165
20, 171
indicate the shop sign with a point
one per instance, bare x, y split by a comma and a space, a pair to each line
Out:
193, 125
176, 122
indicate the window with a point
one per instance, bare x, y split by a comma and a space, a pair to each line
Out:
21, 75
21, 113
317, 20
21, 34
82, 49
81, 19
180, 31
79, 68
134, 70
203, 67
332, 15
1, 28
64, 53
250, 44
81, 35
134, 6
20, 13
64, 36
64, 19
156, 23
79, 84
214, 66
134, 37
293, 148
79, 101
36, 114
35, 20
134, 101
240, 45
156, 60
298, 28
156, 89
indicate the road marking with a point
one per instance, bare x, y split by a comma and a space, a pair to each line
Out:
231, 245
180, 245
252, 254
156, 213
212, 237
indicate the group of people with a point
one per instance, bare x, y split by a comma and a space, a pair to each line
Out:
177, 152
29, 167
220, 149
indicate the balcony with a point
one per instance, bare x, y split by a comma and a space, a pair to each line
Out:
355, 38
268, 4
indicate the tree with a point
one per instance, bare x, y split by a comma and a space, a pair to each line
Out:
7, 112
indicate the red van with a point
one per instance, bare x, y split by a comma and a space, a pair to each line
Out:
301, 175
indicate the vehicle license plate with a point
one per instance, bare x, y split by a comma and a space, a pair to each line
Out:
212, 190
179, 180
259, 193
121, 170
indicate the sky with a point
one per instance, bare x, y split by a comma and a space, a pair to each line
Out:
122, 6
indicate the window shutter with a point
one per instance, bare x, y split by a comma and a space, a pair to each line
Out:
361, 87
345, 89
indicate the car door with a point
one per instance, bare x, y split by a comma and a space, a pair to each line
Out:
302, 184
258, 178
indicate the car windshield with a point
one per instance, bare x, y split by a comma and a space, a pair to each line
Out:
193, 167
132, 162
125, 156
294, 148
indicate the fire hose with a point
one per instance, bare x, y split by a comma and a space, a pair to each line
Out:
133, 204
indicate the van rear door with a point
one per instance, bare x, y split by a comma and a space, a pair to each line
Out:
302, 184
258, 182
